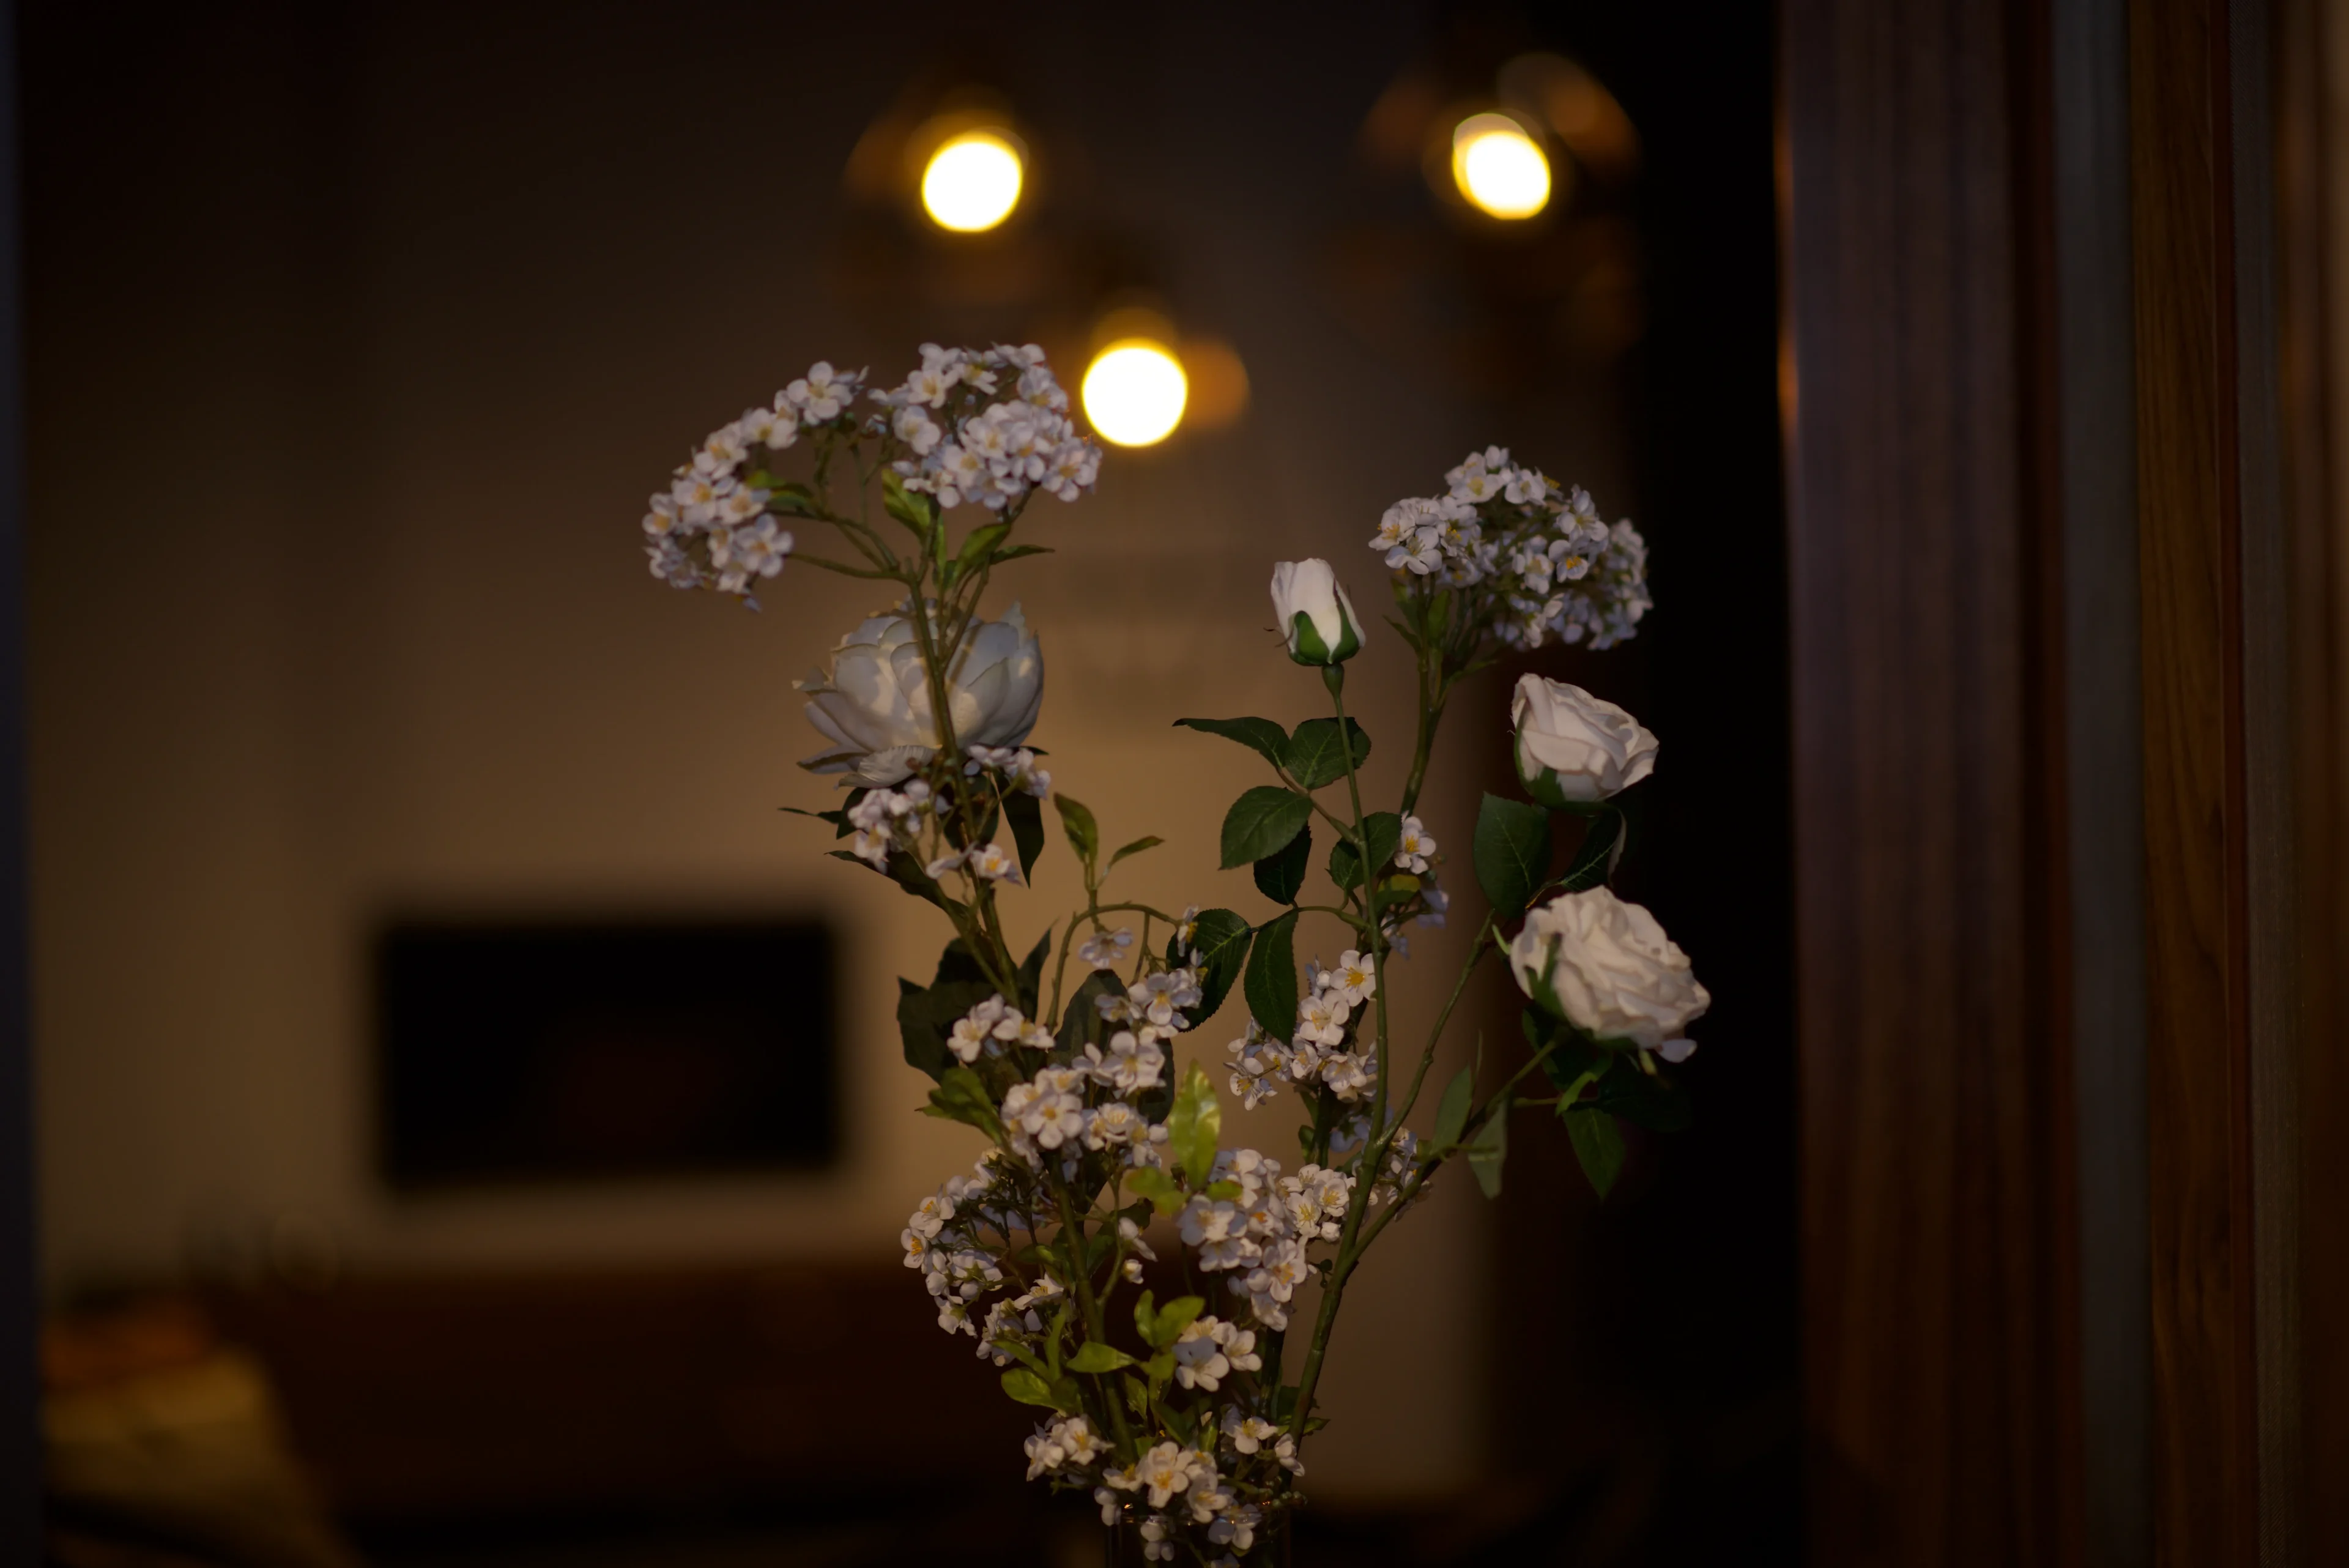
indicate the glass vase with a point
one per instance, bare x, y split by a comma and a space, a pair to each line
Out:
1141, 1539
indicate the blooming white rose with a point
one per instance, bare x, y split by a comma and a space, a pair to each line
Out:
1607, 968
1316, 616
1574, 748
873, 704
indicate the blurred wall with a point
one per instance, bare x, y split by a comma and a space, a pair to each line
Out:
358, 338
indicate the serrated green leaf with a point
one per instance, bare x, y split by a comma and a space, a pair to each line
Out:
1264, 737
1281, 876
1093, 1358
1594, 857
1220, 949
1195, 1125
1084, 833
1644, 1101
1026, 814
1384, 829
1272, 977
1511, 853
1149, 1181
1597, 1144
1261, 823
1488, 1149
1136, 848
1452, 1115
1314, 757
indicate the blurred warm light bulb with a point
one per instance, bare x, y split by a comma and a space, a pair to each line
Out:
972, 181
1498, 167
1135, 392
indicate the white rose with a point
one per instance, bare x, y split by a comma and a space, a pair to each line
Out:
873, 704
1316, 616
1575, 748
1607, 968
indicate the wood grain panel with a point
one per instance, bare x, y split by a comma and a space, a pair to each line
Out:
2198, 1106
1933, 1070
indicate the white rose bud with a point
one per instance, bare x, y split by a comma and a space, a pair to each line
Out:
1316, 616
1574, 749
1607, 968
873, 704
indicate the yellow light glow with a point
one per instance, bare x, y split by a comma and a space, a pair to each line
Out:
972, 181
1135, 392
1498, 167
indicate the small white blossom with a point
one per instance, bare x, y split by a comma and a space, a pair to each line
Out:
1414, 846
1105, 949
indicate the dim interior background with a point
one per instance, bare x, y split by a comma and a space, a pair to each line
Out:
357, 336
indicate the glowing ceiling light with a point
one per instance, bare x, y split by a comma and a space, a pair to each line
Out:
1135, 392
972, 181
1498, 167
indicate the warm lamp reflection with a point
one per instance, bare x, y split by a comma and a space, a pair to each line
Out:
972, 181
1498, 167
1135, 392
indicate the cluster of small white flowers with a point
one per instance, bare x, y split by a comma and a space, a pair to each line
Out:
973, 439
942, 1240
710, 528
986, 862
1081, 1104
1156, 999
1211, 1350
1346, 1141
1546, 566
889, 819
1015, 765
991, 1029
1260, 1235
1061, 1444
1317, 1051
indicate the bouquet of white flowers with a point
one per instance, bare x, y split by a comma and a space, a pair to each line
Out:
1183, 1418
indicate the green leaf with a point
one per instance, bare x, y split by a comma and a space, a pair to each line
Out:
1029, 1389
1384, 829
914, 510
926, 1015
1511, 852
1080, 1022
1172, 1319
1149, 1181
1262, 821
1488, 1149
1452, 1115
1219, 948
1597, 1144
977, 546
1596, 855
1195, 1125
1146, 1317
1136, 848
907, 873
1137, 1395
1017, 551
1094, 1358
1272, 977
1026, 814
1644, 1101
1280, 877
1031, 975
1084, 833
1266, 738
961, 1096
1314, 756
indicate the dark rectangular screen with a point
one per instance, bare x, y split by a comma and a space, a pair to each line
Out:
557, 1051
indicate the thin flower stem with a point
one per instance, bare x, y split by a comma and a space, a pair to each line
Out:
1436, 1035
